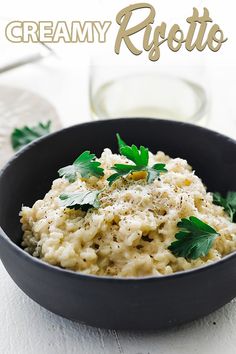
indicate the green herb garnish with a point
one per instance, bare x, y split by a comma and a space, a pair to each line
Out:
80, 200
85, 165
121, 142
228, 203
194, 239
140, 158
23, 136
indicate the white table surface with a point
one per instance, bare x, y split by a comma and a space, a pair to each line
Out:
28, 328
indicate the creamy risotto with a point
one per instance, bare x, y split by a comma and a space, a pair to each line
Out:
129, 234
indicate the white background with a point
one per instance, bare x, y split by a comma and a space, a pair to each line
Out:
27, 328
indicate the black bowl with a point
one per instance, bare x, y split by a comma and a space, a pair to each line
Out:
141, 303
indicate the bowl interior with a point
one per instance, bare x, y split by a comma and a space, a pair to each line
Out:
29, 175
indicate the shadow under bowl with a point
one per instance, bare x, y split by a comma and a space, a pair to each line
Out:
119, 303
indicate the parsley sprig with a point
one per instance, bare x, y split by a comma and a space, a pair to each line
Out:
228, 203
140, 159
25, 135
83, 200
85, 165
194, 239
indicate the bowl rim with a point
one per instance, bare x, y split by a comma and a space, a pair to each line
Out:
52, 268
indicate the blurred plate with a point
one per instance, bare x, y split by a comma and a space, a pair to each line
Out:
19, 107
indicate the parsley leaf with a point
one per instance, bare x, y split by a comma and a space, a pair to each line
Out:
122, 170
23, 136
140, 158
228, 203
154, 171
85, 165
80, 200
121, 142
194, 239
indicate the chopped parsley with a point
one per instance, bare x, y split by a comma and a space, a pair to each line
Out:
140, 159
228, 203
23, 136
80, 200
85, 165
194, 239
